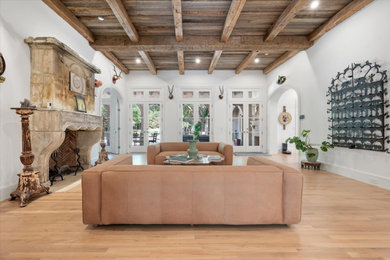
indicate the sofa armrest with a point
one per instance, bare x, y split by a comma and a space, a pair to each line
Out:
153, 150
227, 151
92, 191
91, 197
292, 197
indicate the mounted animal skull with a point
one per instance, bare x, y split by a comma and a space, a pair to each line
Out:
221, 91
170, 90
116, 76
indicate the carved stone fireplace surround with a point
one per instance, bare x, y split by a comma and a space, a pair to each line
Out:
51, 63
48, 132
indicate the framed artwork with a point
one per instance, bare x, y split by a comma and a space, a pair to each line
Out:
77, 84
80, 103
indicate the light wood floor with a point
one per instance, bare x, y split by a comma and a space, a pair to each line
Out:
342, 219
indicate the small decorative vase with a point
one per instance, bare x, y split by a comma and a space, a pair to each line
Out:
192, 151
312, 155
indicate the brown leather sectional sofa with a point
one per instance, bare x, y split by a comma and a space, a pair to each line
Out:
263, 192
158, 152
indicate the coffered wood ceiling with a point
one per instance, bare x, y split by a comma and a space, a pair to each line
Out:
171, 34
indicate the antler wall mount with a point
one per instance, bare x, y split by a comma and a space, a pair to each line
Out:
221, 91
116, 76
170, 91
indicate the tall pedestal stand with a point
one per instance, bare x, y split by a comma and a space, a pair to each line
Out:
29, 183
103, 154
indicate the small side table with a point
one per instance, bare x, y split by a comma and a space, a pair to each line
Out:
310, 165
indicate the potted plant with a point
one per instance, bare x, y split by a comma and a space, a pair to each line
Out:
305, 146
192, 151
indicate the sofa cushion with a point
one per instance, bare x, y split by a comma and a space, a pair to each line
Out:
253, 197
172, 146
202, 146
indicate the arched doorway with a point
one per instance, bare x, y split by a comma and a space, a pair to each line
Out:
278, 99
110, 110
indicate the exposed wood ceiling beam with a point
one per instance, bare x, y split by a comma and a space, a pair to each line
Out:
214, 61
338, 18
121, 14
109, 55
58, 7
231, 19
248, 59
201, 43
176, 6
342, 15
148, 61
285, 18
180, 61
279, 61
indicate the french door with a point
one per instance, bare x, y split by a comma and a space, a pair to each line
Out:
145, 121
245, 130
193, 112
110, 111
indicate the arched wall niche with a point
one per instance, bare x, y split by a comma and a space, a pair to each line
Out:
284, 95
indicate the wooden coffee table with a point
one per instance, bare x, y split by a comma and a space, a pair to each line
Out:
203, 160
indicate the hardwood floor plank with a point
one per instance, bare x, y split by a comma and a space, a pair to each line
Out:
342, 219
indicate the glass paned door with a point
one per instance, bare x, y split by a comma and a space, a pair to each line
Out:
191, 114
154, 123
238, 124
110, 113
146, 125
253, 127
245, 127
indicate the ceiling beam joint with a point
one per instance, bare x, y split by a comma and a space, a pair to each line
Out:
121, 14
214, 61
109, 55
177, 18
148, 61
248, 60
279, 61
285, 18
180, 61
231, 18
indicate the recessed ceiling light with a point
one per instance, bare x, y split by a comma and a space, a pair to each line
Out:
266, 54
138, 60
257, 60
197, 60
314, 4
101, 18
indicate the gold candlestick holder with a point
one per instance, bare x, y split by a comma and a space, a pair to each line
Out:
29, 184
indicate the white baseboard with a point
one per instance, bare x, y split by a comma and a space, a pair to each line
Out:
6, 191
366, 177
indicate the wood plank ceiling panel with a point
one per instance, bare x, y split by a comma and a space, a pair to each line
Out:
202, 18
307, 20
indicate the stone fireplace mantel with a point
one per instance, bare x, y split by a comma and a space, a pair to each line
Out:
48, 132
52, 63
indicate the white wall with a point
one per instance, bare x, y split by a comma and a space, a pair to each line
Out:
364, 36
18, 20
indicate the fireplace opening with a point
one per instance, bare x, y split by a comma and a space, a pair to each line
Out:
65, 159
